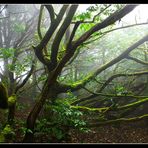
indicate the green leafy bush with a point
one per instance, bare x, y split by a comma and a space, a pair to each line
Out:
63, 118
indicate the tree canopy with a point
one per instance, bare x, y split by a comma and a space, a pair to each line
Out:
80, 69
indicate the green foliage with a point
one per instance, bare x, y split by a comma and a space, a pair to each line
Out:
62, 119
65, 115
7, 133
21, 66
6, 52
121, 90
41, 78
21, 124
18, 27
20, 106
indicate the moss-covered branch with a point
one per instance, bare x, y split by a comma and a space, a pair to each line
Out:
90, 97
38, 49
130, 105
60, 34
137, 60
118, 121
79, 84
134, 104
121, 75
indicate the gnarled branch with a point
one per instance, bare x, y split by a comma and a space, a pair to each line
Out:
60, 34
121, 75
137, 60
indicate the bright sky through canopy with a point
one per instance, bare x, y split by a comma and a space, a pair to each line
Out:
140, 12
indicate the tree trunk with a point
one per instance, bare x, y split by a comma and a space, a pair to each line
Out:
48, 92
11, 113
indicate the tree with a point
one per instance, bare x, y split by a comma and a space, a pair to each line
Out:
55, 66
17, 29
63, 39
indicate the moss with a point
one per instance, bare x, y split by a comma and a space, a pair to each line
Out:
83, 108
7, 132
82, 82
7, 129
12, 100
134, 104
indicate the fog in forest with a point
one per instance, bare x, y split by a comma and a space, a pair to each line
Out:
73, 73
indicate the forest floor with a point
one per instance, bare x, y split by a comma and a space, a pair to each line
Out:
136, 132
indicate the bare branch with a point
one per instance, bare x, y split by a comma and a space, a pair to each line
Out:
51, 12
105, 32
73, 34
39, 27
5, 6
102, 109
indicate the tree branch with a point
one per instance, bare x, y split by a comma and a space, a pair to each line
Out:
106, 95
118, 121
137, 60
60, 34
102, 109
27, 77
38, 49
121, 75
105, 32
39, 27
81, 83
108, 21
93, 20
51, 12
73, 34
39, 22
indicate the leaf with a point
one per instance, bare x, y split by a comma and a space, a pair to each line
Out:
29, 131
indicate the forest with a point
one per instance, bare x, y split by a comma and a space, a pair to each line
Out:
73, 73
